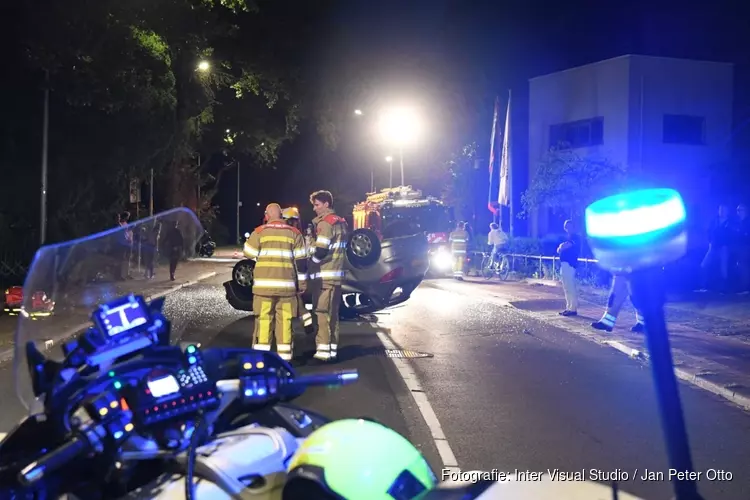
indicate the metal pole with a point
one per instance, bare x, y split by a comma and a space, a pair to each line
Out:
390, 181
238, 202
401, 158
45, 147
372, 181
151, 195
198, 204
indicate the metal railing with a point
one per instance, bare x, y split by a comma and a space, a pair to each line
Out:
538, 266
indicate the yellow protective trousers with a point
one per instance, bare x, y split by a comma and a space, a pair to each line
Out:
304, 315
326, 302
274, 314
459, 262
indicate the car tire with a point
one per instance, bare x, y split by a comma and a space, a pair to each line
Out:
363, 248
243, 273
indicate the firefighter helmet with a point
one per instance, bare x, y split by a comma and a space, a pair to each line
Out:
290, 213
357, 458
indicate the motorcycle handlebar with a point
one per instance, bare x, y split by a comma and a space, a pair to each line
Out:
342, 377
52, 461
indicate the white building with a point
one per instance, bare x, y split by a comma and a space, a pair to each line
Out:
670, 117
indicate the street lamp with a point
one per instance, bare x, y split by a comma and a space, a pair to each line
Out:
358, 112
399, 126
204, 66
389, 159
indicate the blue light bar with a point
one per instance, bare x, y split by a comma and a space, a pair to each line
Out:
637, 229
636, 213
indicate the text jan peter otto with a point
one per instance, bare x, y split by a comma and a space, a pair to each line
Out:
598, 475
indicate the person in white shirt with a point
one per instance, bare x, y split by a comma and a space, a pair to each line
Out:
498, 240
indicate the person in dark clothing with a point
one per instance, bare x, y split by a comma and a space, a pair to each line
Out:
743, 248
149, 248
569, 252
174, 244
720, 236
124, 247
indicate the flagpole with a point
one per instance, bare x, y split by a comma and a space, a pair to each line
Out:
510, 173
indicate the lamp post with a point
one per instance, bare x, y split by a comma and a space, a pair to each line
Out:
389, 159
399, 126
45, 148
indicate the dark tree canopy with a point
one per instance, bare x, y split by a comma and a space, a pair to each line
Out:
127, 96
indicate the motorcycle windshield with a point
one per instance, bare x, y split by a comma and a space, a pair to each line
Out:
67, 281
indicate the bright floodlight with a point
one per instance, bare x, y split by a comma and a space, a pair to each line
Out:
399, 126
204, 66
389, 159
637, 229
358, 112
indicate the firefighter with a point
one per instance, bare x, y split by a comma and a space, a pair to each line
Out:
459, 243
292, 217
617, 295
327, 273
279, 252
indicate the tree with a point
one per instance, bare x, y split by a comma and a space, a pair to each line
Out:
567, 182
127, 96
460, 175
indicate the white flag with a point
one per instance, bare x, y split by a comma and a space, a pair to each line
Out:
503, 197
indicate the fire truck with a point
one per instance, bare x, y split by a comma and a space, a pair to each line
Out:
404, 211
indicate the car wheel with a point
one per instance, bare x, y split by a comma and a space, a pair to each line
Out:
364, 248
243, 273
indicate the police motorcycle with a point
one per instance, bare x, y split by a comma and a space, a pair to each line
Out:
118, 412
206, 246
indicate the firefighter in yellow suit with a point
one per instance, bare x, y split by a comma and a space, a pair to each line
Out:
326, 270
459, 243
291, 216
280, 255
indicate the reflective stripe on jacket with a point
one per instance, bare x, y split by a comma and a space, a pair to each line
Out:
330, 243
276, 246
459, 241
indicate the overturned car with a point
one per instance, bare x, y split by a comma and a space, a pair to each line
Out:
380, 272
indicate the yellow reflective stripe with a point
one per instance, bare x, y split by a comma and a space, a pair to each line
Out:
271, 283
277, 264
274, 252
301, 277
300, 253
249, 252
262, 347
322, 242
329, 274
278, 239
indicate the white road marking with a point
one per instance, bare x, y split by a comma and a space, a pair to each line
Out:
425, 408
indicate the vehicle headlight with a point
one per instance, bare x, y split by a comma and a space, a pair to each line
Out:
442, 259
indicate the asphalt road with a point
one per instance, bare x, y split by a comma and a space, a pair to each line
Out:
509, 392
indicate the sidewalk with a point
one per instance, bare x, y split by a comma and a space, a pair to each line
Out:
710, 351
66, 322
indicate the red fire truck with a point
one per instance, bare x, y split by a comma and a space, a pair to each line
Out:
404, 211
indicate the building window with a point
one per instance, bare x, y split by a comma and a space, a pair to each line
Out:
684, 129
578, 134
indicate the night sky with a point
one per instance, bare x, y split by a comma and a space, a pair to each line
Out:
451, 58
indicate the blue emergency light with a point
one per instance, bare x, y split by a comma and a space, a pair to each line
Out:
638, 229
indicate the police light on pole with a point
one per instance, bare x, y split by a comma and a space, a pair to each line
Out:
636, 234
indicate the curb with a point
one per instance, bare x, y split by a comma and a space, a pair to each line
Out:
725, 391
7, 354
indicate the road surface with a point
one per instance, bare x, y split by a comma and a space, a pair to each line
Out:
509, 392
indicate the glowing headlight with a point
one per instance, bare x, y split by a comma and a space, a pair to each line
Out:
442, 259
638, 229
